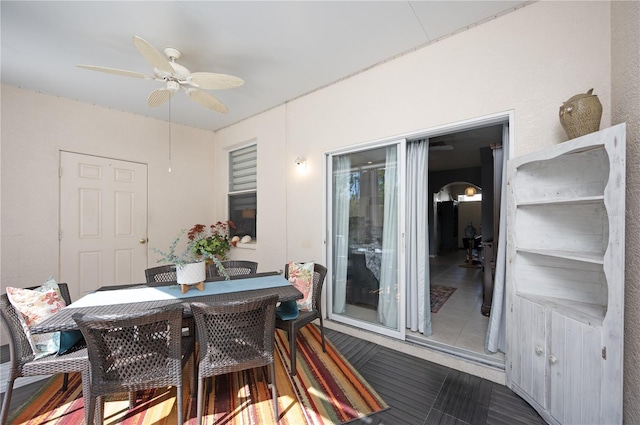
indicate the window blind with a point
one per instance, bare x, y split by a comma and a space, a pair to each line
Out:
242, 169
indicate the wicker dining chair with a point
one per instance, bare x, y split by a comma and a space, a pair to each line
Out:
133, 352
234, 336
304, 317
23, 363
161, 274
234, 268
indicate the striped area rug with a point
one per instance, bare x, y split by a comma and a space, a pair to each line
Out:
326, 390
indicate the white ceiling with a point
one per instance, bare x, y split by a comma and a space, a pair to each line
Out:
282, 50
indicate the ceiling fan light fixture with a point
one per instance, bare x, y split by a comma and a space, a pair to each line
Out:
173, 86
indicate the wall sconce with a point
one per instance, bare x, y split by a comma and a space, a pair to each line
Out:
301, 164
470, 191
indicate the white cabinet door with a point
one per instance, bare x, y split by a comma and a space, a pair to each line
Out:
529, 360
575, 371
565, 278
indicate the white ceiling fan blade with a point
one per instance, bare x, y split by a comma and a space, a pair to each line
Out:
206, 100
152, 55
159, 96
115, 71
213, 81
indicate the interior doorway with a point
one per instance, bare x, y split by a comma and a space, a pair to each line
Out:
463, 157
465, 172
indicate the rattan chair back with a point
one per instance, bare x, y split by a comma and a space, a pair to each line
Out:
234, 336
137, 351
305, 317
161, 274
234, 268
319, 274
22, 357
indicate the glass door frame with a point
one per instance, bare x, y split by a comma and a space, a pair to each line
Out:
400, 144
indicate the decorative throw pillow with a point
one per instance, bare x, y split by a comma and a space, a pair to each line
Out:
301, 276
33, 306
287, 310
68, 339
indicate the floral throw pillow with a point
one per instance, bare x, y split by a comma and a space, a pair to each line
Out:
301, 276
33, 306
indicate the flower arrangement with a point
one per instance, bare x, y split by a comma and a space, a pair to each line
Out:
204, 243
211, 241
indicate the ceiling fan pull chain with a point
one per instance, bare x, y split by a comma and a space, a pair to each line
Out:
169, 135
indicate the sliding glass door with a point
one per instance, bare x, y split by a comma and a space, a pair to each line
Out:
365, 222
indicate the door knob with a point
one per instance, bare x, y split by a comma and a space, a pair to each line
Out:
142, 241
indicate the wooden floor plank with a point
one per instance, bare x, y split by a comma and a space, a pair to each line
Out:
422, 392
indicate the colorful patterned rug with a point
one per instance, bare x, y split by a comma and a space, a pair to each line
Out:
439, 295
326, 390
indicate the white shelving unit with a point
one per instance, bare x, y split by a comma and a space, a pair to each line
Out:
565, 277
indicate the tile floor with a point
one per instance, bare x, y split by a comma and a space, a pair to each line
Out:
459, 322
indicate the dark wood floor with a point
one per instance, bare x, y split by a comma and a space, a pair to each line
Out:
417, 391
424, 393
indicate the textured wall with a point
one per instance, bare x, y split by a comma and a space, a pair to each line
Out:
36, 127
625, 107
513, 63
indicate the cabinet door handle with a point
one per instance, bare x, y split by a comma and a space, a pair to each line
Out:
539, 350
553, 359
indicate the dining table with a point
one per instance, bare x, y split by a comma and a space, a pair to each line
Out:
128, 298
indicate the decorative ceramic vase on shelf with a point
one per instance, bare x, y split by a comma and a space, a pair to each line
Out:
191, 273
581, 114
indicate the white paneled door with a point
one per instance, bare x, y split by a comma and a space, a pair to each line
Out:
103, 222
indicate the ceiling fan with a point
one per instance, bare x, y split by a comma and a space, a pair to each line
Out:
176, 76
440, 146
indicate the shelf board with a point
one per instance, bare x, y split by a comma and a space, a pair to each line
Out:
563, 201
586, 257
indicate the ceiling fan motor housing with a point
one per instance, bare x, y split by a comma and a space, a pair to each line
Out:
173, 86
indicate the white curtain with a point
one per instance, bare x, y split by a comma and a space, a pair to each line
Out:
374, 194
496, 332
341, 197
388, 298
417, 236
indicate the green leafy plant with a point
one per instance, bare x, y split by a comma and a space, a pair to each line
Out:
211, 241
204, 243
171, 256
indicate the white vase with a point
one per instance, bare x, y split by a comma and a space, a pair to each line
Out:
191, 273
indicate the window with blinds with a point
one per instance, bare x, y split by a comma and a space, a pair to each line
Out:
242, 191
